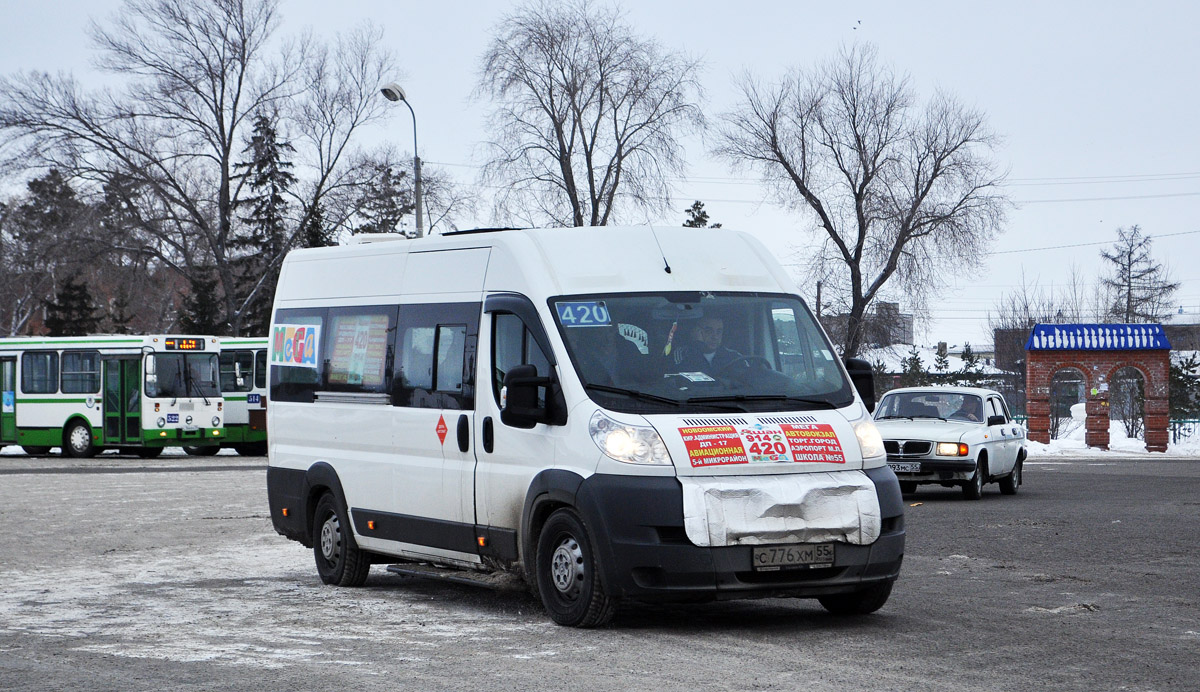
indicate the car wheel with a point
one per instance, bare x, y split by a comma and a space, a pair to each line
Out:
78, 441
36, 450
908, 487
1010, 483
205, 451
973, 488
568, 573
339, 560
861, 602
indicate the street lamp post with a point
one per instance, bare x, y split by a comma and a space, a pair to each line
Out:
394, 92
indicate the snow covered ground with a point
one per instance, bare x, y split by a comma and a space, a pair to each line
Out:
1071, 442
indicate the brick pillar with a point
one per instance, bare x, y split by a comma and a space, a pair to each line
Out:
1157, 423
1037, 397
1096, 434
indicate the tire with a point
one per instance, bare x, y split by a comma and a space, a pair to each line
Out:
973, 488
36, 450
206, 451
148, 452
569, 578
908, 487
77, 441
861, 602
251, 449
339, 560
1010, 483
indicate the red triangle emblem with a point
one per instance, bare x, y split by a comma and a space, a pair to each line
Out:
442, 429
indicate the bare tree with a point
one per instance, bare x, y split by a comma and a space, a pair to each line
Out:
198, 72
1141, 287
587, 114
903, 196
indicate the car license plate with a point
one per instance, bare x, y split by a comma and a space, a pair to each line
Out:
776, 557
905, 466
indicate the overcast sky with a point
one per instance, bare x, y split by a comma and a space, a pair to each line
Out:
1097, 103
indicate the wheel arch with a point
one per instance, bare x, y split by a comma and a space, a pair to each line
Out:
320, 478
549, 490
78, 418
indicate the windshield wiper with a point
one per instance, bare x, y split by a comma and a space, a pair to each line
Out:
894, 417
823, 403
633, 393
188, 381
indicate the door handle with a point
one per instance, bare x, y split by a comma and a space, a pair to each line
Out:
464, 433
488, 434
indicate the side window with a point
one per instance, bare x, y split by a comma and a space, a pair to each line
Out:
39, 372
435, 361
994, 408
260, 369
80, 372
237, 369
296, 355
359, 346
513, 345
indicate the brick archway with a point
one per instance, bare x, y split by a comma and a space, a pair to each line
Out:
1099, 351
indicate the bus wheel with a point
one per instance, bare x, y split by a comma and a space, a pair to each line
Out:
339, 560
252, 449
36, 450
149, 452
78, 441
568, 573
206, 451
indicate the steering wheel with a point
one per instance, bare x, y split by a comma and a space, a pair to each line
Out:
748, 362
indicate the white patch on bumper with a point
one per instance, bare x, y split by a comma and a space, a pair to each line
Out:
792, 508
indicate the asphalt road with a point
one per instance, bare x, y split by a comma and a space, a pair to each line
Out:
124, 574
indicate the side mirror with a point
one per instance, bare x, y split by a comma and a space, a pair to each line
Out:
520, 400
996, 420
863, 379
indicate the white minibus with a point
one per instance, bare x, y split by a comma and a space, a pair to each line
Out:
615, 414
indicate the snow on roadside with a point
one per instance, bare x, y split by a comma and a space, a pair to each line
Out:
1072, 442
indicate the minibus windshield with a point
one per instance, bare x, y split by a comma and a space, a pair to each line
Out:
694, 352
180, 375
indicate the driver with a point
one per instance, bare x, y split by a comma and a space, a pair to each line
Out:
705, 352
970, 409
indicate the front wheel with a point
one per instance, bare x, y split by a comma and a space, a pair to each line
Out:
251, 449
973, 488
205, 451
1010, 483
78, 441
339, 560
861, 602
568, 573
908, 487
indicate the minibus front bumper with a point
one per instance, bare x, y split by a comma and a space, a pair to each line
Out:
646, 555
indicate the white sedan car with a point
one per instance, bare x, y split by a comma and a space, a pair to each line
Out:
951, 436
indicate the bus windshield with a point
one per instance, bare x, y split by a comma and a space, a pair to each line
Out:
181, 375
700, 352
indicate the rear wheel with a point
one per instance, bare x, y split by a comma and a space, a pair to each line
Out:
77, 442
908, 487
859, 602
1010, 483
36, 450
206, 451
251, 449
568, 573
148, 452
973, 488
339, 560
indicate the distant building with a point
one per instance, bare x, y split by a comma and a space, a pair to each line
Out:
885, 326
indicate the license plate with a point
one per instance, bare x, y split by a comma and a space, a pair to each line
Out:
905, 466
776, 557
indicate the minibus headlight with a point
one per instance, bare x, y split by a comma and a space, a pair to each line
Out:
216, 422
162, 422
631, 444
869, 439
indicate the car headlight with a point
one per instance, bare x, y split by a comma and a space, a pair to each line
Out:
952, 449
631, 444
162, 422
216, 422
869, 439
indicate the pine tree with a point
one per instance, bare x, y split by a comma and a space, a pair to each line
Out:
1185, 387
264, 239
697, 217
72, 312
313, 232
202, 308
913, 372
385, 202
970, 360
1142, 290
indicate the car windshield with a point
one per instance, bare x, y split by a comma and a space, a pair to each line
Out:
931, 404
178, 375
700, 352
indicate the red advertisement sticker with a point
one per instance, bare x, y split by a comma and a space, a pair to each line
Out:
814, 442
713, 445
442, 429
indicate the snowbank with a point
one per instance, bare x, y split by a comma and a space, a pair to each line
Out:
1071, 441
